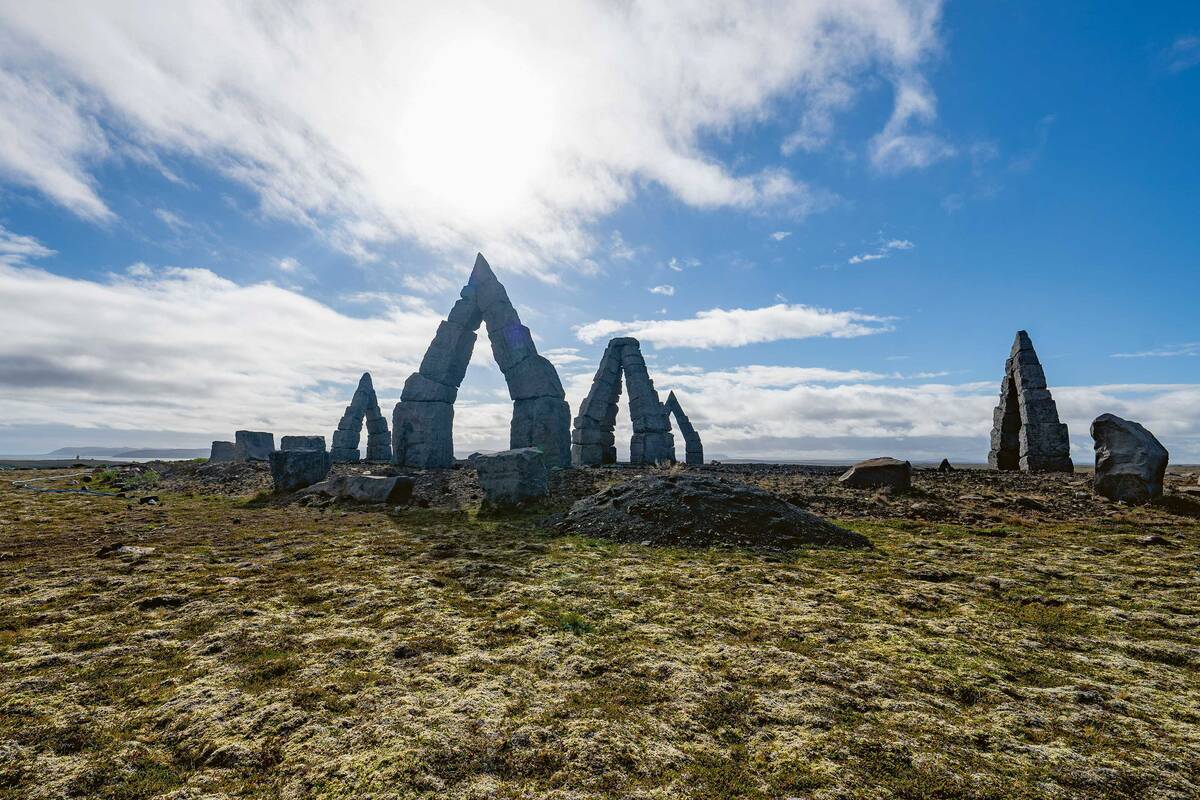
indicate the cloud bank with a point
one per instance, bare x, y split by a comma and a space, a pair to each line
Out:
459, 126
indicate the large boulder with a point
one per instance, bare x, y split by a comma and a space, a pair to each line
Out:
226, 452
1130, 462
302, 443
698, 510
257, 445
296, 469
394, 490
878, 473
513, 477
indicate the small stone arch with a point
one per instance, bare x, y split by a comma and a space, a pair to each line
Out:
1026, 432
592, 440
423, 420
363, 406
694, 450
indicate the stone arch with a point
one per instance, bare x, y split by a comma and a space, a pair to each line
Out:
363, 406
694, 450
593, 440
1026, 432
423, 420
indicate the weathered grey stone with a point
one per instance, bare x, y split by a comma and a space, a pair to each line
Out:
257, 445
226, 452
652, 440
512, 477
302, 443
364, 405
395, 490
877, 473
423, 434
1130, 461
295, 469
694, 450
534, 377
945, 466
541, 417
421, 389
1026, 432
543, 423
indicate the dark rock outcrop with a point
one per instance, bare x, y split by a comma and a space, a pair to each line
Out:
700, 510
1130, 461
295, 469
879, 473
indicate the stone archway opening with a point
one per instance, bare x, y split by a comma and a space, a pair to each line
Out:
1026, 432
423, 420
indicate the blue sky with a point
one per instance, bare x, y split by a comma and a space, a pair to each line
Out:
825, 224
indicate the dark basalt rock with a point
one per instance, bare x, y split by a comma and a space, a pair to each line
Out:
879, 473
699, 511
1130, 461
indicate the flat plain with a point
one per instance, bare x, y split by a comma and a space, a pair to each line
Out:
1009, 636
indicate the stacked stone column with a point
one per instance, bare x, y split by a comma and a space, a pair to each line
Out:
592, 438
694, 453
364, 405
1026, 432
423, 420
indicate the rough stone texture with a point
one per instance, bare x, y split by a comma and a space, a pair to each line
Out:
1130, 461
295, 469
302, 443
512, 477
1026, 433
652, 441
422, 434
878, 473
226, 452
541, 417
257, 445
694, 450
945, 466
700, 510
364, 406
394, 490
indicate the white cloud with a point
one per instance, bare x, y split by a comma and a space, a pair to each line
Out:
664, 289
897, 148
16, 250
1184, 53
779, 236
433, 283
884, 251
287, 264
618, 249
170, 219
509, 129
1167, 351
720, 327
680, 264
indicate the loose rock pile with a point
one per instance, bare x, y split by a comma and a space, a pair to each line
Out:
701, 510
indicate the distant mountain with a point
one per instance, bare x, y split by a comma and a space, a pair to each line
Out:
130, 452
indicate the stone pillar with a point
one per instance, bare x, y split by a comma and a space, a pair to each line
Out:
363, 405
1026, 432
695, 450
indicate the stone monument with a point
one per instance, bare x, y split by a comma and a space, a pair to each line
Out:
694, 452
592, 440
363, 406
423, 420
1026, 433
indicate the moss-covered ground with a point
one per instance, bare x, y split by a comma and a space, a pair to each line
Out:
237, 648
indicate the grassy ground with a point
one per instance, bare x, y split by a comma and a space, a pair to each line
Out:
264, 652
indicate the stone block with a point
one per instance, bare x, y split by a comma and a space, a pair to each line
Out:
295, 469
513, 477
345, 440
345, 455
543, 423
878, 473
302, 443
1130, 461
421, 389
511, 344
257, 445
423, 435
533, 377
448, 355
226, 452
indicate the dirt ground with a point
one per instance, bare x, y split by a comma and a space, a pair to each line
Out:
1009, 636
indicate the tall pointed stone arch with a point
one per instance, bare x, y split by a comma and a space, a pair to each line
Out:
592, 440
423, 420
694, 450
364, 406
1026, 432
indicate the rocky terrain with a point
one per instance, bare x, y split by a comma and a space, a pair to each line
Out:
1007, 636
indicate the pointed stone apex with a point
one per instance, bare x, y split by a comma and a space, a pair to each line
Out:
482, 271
365, 381
1022, 342
671, 398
